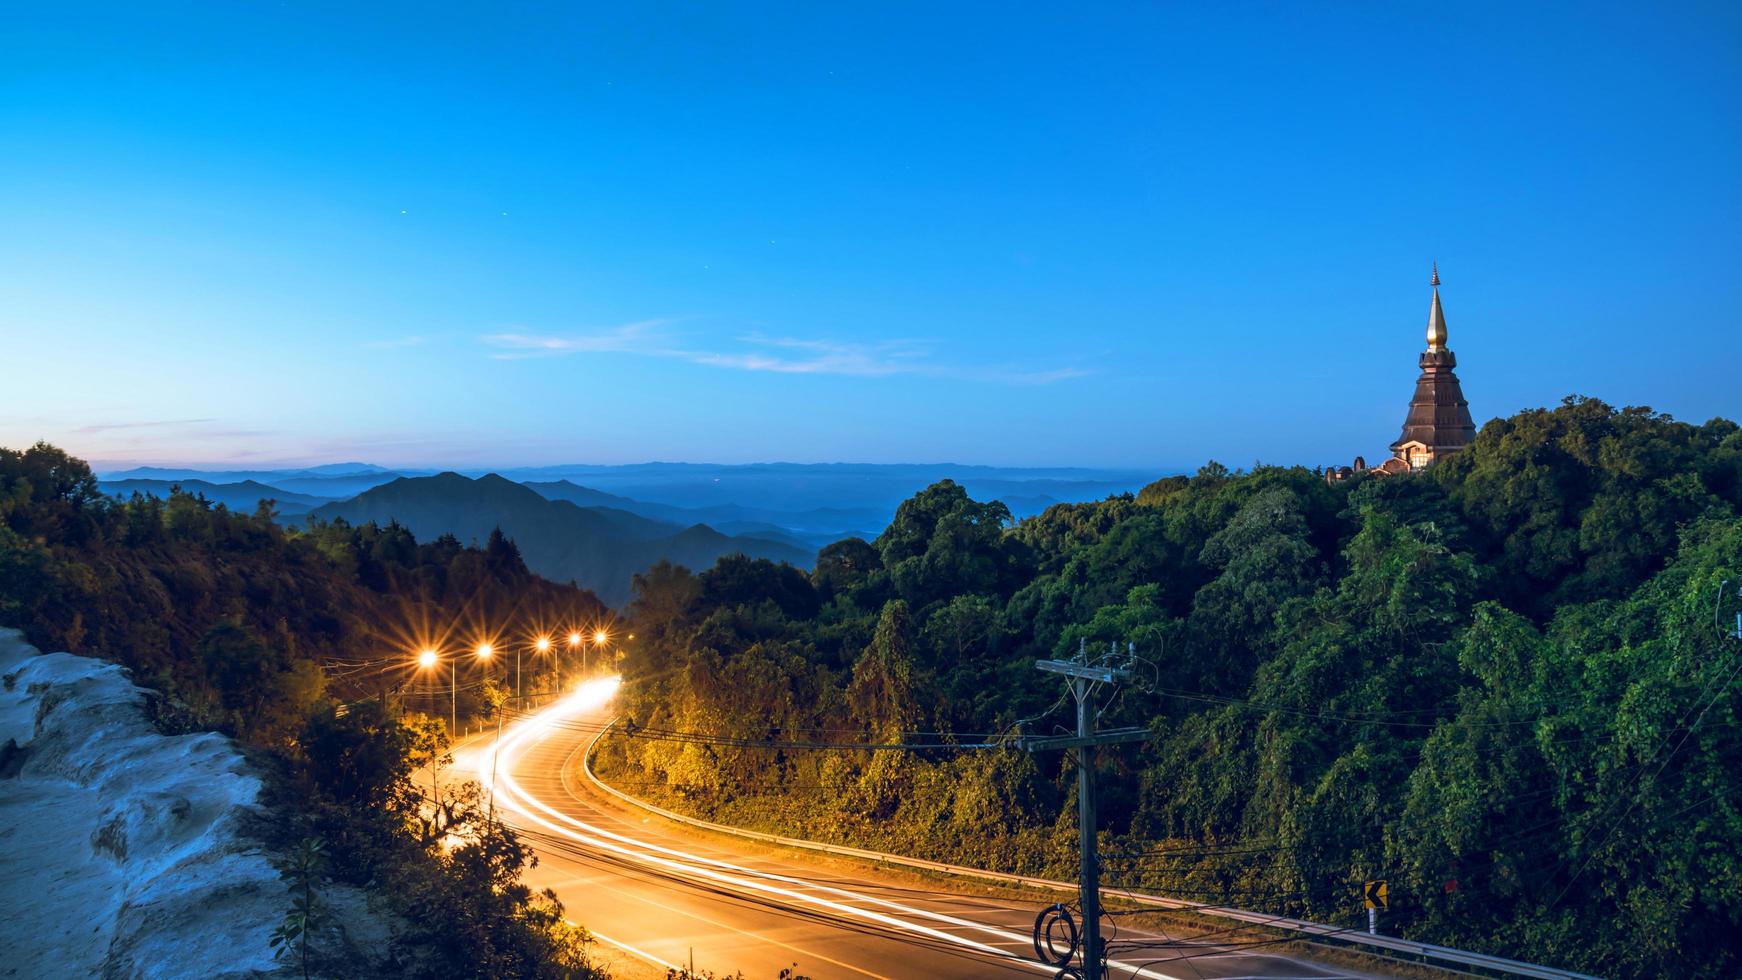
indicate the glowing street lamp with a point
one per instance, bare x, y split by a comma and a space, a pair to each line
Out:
542, 645
428, 659
576, 641
600, 638
484, 651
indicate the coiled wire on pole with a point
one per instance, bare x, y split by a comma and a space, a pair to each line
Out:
1055, 922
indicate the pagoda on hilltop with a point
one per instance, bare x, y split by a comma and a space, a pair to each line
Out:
1438, 423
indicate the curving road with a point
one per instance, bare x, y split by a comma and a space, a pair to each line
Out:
666, 893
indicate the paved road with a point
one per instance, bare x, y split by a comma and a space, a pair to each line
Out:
664, 890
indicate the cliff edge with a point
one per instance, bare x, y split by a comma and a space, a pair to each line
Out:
122, 850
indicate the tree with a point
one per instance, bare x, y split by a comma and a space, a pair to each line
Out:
961, 627
739, 580
308, 916
240, 665
883, 693
360, 757
664, 595
502, 555
845, 567
1264, 557
1583, 500
941, 542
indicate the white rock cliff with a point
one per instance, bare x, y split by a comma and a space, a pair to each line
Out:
122, 852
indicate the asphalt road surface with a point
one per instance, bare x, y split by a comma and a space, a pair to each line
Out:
667, 892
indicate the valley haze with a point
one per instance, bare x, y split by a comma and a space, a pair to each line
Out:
599, 525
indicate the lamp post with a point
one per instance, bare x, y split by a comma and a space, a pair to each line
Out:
428, 659
575, 641
600, 638
542, 645
484, 652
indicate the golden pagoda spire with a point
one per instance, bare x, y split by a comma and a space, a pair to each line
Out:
1436, 317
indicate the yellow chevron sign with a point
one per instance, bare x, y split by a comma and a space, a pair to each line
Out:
1377, 895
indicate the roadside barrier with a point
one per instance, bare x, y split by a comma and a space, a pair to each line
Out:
1355, 937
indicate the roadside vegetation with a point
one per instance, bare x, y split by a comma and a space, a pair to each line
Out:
1503, 685
300, 643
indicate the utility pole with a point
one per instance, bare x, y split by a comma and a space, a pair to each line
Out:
1084, 677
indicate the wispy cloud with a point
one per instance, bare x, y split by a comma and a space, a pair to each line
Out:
777, 355
152, 424
393, 343
792, 355
160, 430
630, 338
1008, 374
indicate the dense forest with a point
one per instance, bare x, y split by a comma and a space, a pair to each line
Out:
301, 643
1503, 684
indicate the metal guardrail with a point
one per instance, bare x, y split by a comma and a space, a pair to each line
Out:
1392, 944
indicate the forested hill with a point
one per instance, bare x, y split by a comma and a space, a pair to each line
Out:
301, 643
598, 547
1502, 684
243, 496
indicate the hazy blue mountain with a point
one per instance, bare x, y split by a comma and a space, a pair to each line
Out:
346, 469
812, 540
869, 492
599, 547
243, 496
581, 496
337, 487
801, 504
822, 524
333, 481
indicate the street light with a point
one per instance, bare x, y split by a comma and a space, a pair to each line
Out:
428, 660
600, 638
484, 652
542, 644
575, 640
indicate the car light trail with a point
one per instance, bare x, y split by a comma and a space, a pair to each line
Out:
495, 769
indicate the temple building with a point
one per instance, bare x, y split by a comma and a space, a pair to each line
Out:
1438, 423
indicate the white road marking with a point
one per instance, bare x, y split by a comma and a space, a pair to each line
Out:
492, 768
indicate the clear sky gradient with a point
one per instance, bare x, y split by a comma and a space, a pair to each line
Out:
1123, 234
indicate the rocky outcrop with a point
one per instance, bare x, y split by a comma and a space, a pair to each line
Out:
122, 850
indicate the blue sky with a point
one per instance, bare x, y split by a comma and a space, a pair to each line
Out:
1114, 234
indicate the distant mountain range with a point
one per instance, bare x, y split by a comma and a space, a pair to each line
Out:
777, 493
601, 548
598, 525
243, 496
813, 528
346, 480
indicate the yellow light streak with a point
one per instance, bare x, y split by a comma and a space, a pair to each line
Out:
595, 694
